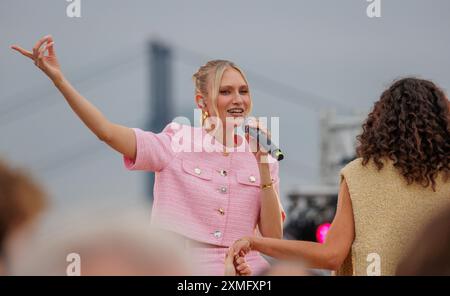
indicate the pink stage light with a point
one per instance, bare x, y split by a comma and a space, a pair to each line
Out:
321, 232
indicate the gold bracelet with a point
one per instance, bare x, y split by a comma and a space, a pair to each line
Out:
265, 186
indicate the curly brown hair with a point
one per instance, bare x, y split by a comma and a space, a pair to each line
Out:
410, 125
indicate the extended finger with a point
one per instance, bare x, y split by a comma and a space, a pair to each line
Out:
22, 51
39, 44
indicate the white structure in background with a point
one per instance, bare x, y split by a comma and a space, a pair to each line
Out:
337, 144
313, 205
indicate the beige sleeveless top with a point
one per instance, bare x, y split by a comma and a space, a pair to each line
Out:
388, 215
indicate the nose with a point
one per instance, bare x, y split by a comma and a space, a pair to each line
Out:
237, 99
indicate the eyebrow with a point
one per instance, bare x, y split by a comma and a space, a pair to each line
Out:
228, 86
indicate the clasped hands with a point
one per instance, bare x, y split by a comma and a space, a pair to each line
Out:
235, 263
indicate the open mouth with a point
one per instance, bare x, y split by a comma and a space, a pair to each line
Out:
236, 112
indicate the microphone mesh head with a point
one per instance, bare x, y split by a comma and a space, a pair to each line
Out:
278, 155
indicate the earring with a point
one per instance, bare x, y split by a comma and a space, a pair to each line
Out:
205, 115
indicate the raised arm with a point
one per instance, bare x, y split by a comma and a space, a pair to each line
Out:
329, 255
120, 138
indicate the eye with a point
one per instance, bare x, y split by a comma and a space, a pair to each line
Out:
243, 91
224, 92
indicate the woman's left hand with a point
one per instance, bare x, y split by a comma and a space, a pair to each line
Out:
229, 263
242, 266
258, 151
236, 265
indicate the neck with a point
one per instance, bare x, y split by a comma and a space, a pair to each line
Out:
224, 135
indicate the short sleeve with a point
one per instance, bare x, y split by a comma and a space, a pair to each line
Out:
153, 151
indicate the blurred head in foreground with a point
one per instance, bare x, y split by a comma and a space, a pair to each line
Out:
430, 253
121, 244
22, 201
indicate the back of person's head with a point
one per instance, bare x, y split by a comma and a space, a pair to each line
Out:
430, 252
101, 242
410, 124
21, 202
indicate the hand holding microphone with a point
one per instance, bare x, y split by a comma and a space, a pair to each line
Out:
262, 137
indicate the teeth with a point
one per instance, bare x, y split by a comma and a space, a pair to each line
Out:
237, 110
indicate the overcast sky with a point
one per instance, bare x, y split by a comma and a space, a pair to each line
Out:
325, 51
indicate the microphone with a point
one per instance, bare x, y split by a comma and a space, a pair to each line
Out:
262, 139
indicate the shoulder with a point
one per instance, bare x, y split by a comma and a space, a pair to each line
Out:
357, 166
353, 170
353, 165
180, 136
170, 130
174, 128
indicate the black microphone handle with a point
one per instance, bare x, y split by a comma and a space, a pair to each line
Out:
262, 139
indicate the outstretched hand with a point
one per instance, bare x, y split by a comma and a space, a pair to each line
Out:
47, 63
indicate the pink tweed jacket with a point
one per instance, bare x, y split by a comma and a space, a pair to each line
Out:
201, 192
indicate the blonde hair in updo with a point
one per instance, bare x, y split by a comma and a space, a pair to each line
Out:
208, 77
